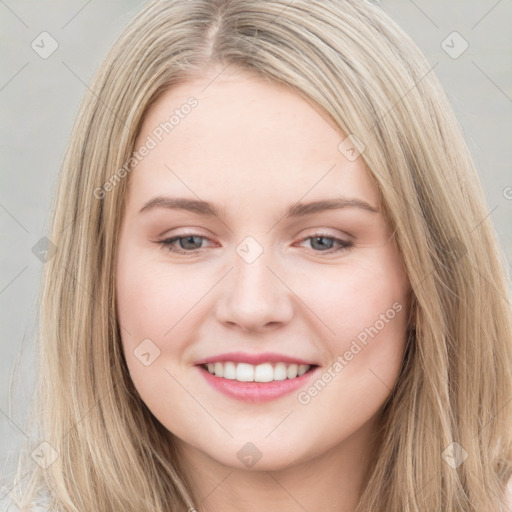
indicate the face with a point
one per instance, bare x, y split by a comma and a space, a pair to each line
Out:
251, 286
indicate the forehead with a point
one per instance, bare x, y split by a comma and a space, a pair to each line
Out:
248, 135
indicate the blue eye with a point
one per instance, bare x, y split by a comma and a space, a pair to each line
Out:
320, 241
190, 244
185, 243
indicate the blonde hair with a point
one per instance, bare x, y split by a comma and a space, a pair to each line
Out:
353, 61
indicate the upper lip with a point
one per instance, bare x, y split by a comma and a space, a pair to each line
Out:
254, 359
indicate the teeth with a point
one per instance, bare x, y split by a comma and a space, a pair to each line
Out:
291, 372
229, 371
302, 370
244, 372
265, 372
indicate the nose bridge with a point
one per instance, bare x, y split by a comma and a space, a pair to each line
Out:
252, 278
253, 296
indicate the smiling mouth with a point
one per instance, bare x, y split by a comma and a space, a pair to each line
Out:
265, 372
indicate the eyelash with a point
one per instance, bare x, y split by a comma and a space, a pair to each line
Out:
168, 243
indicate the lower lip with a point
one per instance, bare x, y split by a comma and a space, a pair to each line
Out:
256, 391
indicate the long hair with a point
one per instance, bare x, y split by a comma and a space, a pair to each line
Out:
445, 436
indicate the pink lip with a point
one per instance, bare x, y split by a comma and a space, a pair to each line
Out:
244, 357
256, 391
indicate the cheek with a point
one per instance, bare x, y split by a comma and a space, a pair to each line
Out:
152, 304
152, 298
158, 306
365, 304
356, 296
364, 356
363, 309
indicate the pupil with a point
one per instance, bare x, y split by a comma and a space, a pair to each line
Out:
187, 239
322, 238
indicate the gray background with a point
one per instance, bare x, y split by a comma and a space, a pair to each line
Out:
39, 99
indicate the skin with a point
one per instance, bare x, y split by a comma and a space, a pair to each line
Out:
254, 148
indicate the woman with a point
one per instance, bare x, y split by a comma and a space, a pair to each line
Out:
270, 291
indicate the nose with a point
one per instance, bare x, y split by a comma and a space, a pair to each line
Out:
254, 296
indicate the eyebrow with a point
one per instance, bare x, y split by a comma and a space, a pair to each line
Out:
206, 208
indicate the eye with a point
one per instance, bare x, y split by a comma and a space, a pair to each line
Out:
191, 243
188, 244
325, 243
